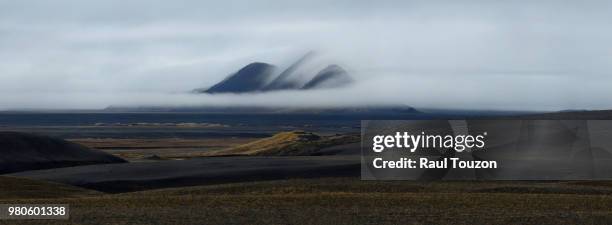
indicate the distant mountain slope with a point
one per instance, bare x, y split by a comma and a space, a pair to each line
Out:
358, 111
571, 115
21, 152
355, 110
253, 77
330, 77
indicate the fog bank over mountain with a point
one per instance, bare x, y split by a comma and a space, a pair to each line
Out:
478, 54
414, 91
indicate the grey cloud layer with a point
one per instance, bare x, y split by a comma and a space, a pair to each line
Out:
506, 55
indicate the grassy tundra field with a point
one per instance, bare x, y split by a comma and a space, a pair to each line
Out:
329, 201
274, 175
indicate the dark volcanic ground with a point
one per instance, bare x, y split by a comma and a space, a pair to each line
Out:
203, 171
340, 160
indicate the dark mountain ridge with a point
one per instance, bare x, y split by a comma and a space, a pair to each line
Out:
341, 110
260, 77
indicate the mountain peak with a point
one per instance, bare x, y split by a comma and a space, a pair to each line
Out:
330, 77
260, 77
252, 77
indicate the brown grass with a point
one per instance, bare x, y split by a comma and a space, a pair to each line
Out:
22, 188
345, 201
293, 143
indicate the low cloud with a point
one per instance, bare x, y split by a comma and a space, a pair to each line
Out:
519, 55
535, 93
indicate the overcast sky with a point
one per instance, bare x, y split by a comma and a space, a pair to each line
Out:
534, 55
